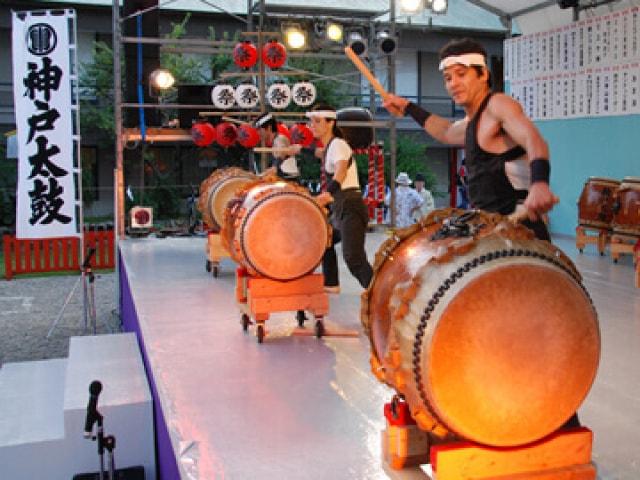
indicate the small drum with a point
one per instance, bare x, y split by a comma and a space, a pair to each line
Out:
595, 206
275, 229
217, 190
486, 331
626, 219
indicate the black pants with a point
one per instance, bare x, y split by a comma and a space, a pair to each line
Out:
349, 221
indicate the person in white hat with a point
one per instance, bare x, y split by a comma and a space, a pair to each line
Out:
408, 201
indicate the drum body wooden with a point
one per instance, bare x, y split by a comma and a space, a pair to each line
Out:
275, 229
595, 206
217, 190
626, 219
489, 336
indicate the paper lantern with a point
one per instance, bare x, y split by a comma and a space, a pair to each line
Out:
301, 134
203, 134
274, 54
223, 96
248, 136
247, 95
245, 54
226, 134
279, 95
283, 130
304, 94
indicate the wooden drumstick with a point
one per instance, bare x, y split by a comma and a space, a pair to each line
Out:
522, 213
234, 120
366, 72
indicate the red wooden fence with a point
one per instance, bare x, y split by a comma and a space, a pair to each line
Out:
56, 254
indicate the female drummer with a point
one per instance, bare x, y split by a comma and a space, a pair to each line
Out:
349, 213
284, 154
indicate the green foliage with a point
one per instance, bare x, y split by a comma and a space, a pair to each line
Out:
8, 181
328, 91
221, 62
185, 68
96, 98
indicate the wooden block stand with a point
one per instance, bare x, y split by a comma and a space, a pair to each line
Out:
624, 243
563, 455
215, 252
258, 297
586, 234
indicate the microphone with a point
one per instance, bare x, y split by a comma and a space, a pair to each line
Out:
92, 407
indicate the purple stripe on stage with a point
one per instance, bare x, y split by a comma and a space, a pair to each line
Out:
166, 465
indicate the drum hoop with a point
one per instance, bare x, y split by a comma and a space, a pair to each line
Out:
446, 285
256, 205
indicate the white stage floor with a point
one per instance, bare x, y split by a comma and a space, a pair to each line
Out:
303, 408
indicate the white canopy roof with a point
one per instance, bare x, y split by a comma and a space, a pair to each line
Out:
540, 15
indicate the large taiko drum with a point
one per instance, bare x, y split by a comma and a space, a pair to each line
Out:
216, 191
275, 229
626, 219
596, 202
486, 331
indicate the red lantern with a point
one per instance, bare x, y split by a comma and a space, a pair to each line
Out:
248, 136
227, 134
301, 134
203, 134
245, 54
283, 130
274, 54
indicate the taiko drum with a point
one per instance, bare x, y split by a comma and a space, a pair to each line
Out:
275, 229
626, 219
216, 191
486, 331
596, 202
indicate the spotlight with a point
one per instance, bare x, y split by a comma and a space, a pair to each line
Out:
294, 36
334, 32
386, 43
357, 43
438, 6
161, 79
411, 7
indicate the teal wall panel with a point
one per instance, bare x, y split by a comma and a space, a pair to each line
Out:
588, 147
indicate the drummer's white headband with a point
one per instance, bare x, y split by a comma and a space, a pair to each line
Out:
261, 121
330, 114
466, 59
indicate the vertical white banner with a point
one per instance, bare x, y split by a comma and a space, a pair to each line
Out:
47, 124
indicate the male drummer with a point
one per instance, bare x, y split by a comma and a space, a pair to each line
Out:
495, 133
497, 136
284, 154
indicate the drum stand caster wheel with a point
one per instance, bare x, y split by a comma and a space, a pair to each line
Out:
300, 317
207, 266
580, 250
319, 328
260, 333
245, 322
215, 271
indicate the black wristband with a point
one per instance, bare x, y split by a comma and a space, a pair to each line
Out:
333, 186
418, 113
540, 170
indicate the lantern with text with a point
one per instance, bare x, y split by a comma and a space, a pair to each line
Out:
279, 95
248, 136
203, 134
223, 96
301, 134
274, 54
304, 94
245, 54
247, 95
226, 134
283, 130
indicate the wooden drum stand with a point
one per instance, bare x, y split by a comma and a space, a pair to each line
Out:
600, 236
215, 252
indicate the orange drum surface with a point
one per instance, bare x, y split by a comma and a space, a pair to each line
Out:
276, 230
627, 208
595, 206
487, 332
217, 190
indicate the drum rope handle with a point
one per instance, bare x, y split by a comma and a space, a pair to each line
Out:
448, 283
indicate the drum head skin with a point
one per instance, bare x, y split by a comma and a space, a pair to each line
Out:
221, 195
512, 357
284, 236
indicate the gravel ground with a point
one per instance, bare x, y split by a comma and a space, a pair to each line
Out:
30, 306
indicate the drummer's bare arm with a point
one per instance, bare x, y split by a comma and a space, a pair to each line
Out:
341, 171
443, 130
521, 129
324, 199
